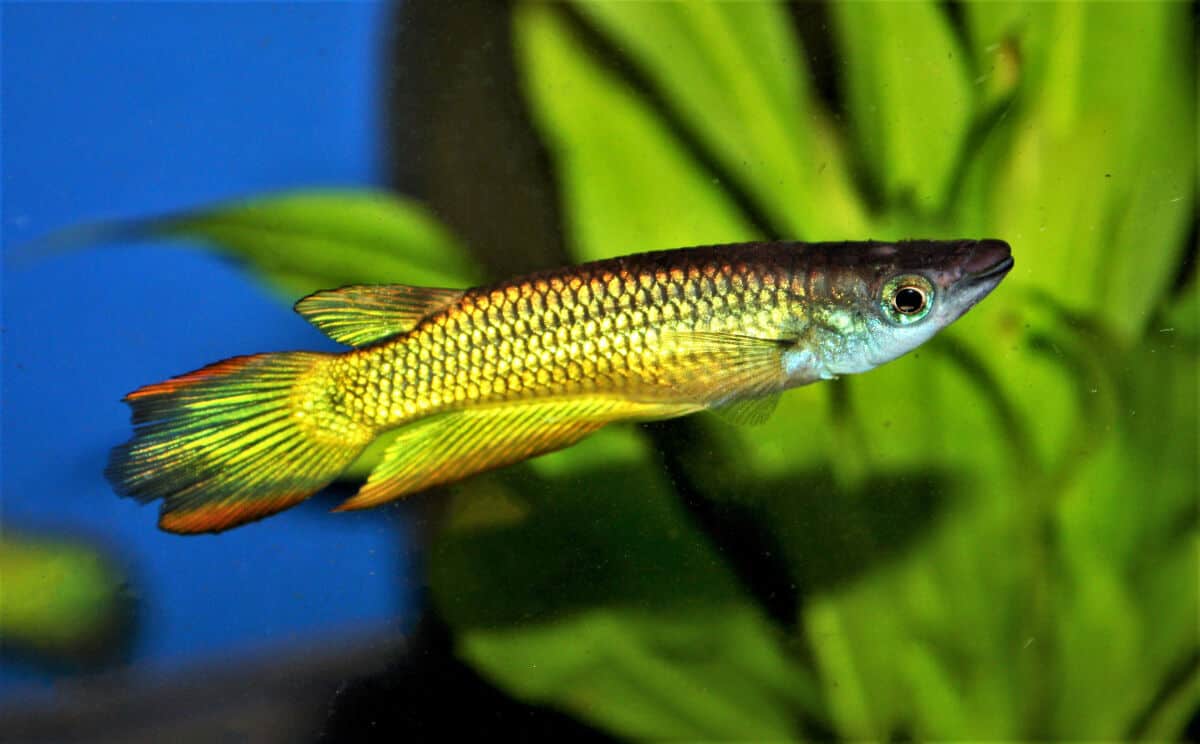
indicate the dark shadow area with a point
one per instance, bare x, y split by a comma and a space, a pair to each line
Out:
460, 139
607, 537
1186, 274
811, 24
427, 694
832, 536
786, 538
279, 695
703, 464
620, 537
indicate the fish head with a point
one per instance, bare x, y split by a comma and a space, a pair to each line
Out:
903, 293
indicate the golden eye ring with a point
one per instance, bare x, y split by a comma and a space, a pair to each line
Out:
906, 299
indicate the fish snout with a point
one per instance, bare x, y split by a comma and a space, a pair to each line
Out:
988, 258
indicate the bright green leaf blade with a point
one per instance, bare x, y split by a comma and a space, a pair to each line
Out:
320, 239
735, 76
627, 185
1022, 641
909, 96
1091, 174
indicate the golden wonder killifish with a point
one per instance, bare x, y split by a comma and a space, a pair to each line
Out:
481, 378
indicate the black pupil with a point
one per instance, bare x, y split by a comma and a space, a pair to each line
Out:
909, 300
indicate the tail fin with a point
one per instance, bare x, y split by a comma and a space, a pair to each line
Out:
230, 443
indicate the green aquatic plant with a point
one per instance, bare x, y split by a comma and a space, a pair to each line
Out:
992, 538
62, 601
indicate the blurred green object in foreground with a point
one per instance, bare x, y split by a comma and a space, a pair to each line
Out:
301, 241
61, 601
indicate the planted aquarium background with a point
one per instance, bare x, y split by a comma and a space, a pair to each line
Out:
994, 537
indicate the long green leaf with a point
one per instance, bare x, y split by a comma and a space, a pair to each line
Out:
613, 157
1091, 174
735, 77
311, 240
909, 96
303, 241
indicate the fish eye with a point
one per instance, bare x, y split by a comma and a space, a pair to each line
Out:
906, 299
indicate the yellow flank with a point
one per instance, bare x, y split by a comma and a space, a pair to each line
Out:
624, 332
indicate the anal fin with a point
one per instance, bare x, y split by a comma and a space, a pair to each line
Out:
450, 446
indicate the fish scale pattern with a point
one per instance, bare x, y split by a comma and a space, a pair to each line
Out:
605, 327
645, 337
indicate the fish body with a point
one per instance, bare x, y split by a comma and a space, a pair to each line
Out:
481, 378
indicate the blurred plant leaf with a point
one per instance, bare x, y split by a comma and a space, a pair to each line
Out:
914, 648
617, 534
303, 241
1070, 638
909, 96
1177, 707
313, 240
1129, 527
61, 600
697, 676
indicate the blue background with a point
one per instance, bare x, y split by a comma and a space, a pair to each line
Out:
114, 110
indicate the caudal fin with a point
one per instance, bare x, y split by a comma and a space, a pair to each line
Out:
230, 443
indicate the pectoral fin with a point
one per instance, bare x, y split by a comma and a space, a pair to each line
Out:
748, 411
364, 314
451, 446
727, 369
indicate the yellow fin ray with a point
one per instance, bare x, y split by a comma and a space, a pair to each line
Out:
363, 314
221, 447
729, 368
450, 446
748, 411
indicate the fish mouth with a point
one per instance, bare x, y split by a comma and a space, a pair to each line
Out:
989, 261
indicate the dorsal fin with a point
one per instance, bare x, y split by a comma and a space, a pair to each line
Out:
363, 314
